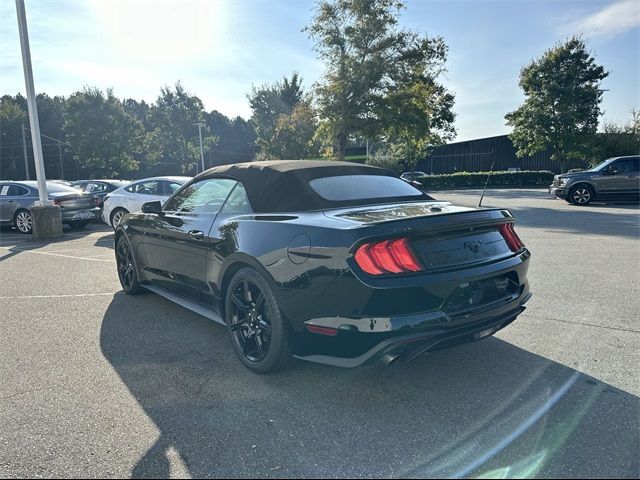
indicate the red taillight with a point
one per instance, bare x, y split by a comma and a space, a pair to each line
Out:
401, 251
511, 237
389, 256
96, 200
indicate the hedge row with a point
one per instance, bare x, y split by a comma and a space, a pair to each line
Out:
526, 178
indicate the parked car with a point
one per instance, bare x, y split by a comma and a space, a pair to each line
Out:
130, 198
412, 176
17, 198
616, 178
330, 262
99, 188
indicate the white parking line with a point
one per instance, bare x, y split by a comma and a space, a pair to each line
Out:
13, 249
21, 297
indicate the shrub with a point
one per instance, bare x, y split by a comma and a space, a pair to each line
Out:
526, 178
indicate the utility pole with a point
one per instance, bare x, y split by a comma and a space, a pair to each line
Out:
24, 153
31, 103
200, 125
46, 221
60, 157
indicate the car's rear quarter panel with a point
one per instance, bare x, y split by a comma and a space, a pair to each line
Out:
325, 285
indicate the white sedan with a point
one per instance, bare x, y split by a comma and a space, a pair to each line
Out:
131, 198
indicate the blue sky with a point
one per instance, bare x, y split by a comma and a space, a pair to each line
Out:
220, 48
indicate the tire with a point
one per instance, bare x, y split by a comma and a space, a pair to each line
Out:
23, 221
581, 194
260, 335
78, 224
127, 271
116, 216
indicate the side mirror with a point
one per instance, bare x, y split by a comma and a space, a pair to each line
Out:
609, 171
152, 207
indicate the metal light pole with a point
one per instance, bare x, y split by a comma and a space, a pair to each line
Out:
24, 153
200, 125
31, 103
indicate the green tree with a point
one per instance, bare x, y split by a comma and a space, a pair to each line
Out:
173, 138
236, 139
617, 140
562, 104
293, 137
283, 119
12, 117
101, 133
374, 69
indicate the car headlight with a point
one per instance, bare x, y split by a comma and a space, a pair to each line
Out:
562, 182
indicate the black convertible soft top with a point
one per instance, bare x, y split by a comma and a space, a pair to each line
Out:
283, 185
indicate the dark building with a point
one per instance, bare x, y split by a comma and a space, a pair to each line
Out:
478, 155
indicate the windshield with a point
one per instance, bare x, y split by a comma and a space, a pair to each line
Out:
602, 165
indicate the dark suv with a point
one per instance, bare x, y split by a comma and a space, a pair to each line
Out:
616, 178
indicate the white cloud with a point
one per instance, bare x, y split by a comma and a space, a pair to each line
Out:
614, 19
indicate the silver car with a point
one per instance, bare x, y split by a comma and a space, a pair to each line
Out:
616, 178
17, 198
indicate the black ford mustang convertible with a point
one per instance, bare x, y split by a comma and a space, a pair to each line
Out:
331, 262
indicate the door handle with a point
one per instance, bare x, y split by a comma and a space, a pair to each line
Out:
196, 234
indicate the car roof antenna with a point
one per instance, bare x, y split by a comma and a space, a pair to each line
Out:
485, 185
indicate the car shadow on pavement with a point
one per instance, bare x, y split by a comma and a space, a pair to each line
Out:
484, 409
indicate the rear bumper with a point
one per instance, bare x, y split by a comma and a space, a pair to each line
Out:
79, 215
410, 336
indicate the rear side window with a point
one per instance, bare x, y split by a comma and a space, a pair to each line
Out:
13, 191
151, 187
362, 187
17, 191
96, 187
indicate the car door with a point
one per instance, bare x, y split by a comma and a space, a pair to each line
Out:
6, 206
620, 178
12, 197
224, 238
176, 242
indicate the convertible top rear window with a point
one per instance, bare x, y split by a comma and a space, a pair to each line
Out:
362, 187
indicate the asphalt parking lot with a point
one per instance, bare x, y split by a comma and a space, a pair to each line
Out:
94, 383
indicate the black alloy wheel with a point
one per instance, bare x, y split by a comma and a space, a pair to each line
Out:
126, 268
259, 333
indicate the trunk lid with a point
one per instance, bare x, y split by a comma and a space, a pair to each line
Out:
73, 201
442, 236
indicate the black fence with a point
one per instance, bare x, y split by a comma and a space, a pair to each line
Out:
478, 155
